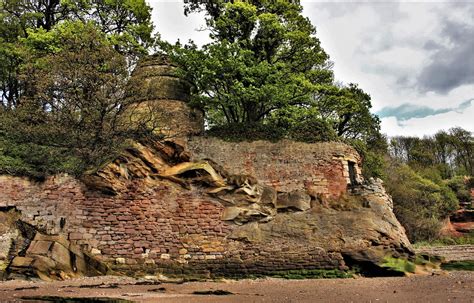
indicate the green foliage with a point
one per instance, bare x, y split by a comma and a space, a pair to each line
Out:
373, 151
72, 115
446, 161
245, 131
264, 56
419, 203
460, 186
36, 161
125, 23
451, 153
398, 264
458, 265
266, 66
348, 109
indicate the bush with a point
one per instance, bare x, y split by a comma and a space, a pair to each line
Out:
36, 161
419, 204
246, 132
311, 131
459, 185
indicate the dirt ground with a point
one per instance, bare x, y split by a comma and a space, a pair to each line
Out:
446, 287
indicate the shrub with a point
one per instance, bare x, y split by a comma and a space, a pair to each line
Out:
419, 203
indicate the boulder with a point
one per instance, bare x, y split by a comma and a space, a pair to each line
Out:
52, 257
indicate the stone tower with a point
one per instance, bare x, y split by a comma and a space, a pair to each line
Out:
160, 95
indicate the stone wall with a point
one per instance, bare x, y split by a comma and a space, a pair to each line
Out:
318, 169
155, 224
147, 229
157, 94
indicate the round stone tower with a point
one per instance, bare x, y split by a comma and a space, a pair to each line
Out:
160, 97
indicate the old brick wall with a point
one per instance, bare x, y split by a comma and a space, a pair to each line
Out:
164, 228
320, 168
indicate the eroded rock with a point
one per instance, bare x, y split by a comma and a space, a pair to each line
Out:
54, 258
298, 200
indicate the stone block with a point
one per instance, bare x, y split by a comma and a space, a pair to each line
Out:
39, 247
297, 200
62, 256
75, 236
43, 263
21, 262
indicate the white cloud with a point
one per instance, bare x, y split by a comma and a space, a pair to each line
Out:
429, 125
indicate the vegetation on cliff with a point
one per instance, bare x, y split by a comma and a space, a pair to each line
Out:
266, 72
63, 70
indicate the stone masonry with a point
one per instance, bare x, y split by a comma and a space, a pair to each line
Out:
158, 226
318, 169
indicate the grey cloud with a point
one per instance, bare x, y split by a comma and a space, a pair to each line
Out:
408, 111
452, 66
431, 45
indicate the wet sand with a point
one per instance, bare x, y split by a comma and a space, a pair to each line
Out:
446, 287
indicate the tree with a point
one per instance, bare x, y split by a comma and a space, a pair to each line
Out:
73, 103
451, 152
462, 143
264, 56
348, 109
127, 24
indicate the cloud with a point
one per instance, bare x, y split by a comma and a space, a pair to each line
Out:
408, 111
452, 64
429, 125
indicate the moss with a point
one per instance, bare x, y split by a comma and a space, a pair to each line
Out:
300, 274
398, 265
459, 265
428, 260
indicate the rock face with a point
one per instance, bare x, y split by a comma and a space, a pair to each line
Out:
53, 257
160, 209
27, 253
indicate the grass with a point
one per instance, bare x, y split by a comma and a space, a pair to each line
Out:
446, 241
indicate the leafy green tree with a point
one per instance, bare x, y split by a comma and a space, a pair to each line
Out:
127, 24
264, 56
451, 153
348, 109
73, 114
462, 143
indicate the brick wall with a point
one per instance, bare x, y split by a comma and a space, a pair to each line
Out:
161, 226
143, 230
320, 168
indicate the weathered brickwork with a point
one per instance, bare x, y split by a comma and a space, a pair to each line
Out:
156, 225
162, 228
319, 169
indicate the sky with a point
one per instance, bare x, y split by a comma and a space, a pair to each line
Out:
415, 59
